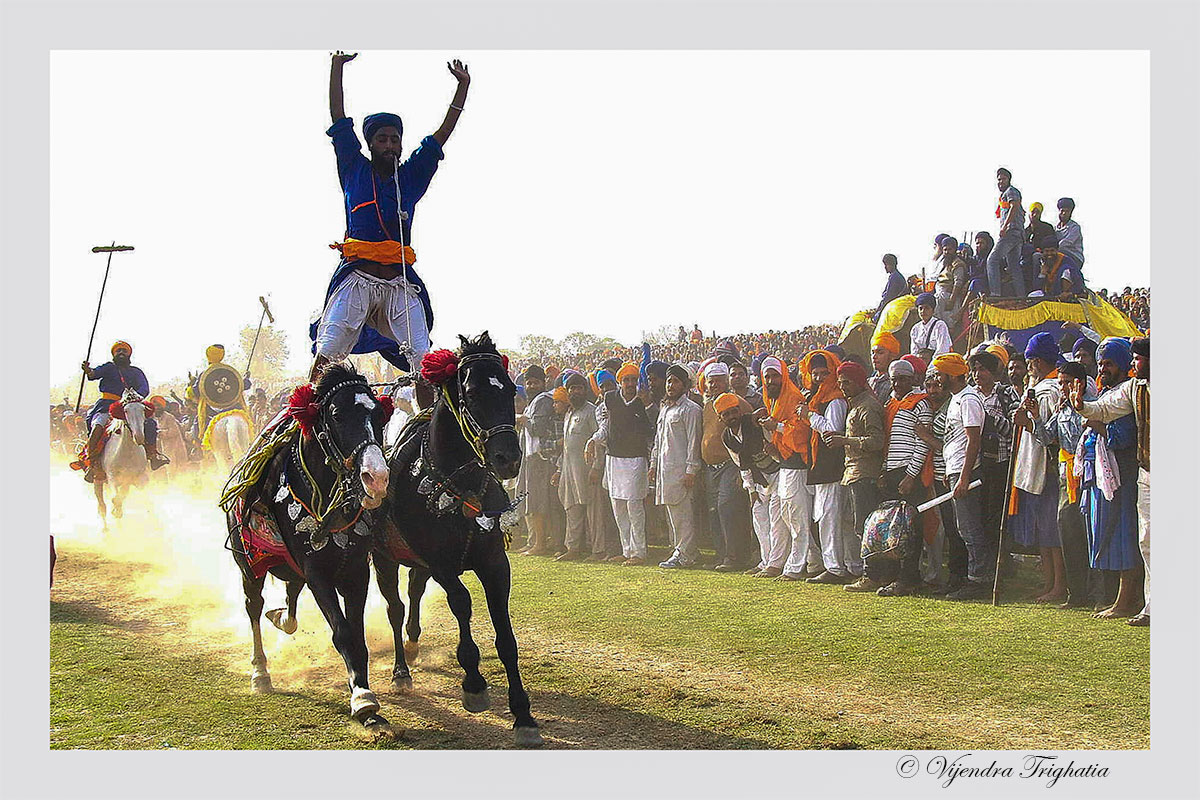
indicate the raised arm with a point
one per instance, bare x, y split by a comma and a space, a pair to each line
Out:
459, 70
337, 109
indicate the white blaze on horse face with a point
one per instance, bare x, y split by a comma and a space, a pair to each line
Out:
374, 477
494, 381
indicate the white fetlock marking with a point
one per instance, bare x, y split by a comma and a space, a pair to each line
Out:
362, 703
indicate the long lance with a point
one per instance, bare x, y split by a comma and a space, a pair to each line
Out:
113, 248
266, 314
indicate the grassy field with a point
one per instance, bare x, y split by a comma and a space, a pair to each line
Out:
614, 657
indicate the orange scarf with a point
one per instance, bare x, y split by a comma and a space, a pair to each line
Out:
794, 438
908, 404
825, 394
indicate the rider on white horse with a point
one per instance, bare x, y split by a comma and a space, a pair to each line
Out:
115, 377
207, 409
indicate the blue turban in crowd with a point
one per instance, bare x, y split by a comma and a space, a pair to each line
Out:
926, 299
604, 375
1116, 350
941, 237
1066, 202
756, 364
837, 350
373, 122
1043, 346
567, 373
657, 368
1085, 344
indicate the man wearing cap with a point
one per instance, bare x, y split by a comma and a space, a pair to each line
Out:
1005, 259
962, 450
1035, 476
375, 300
885, 348
115, 377
579, 488
675, 465
929, 336
627, 436
728, 505
536, 426
1068, 233
1132, 396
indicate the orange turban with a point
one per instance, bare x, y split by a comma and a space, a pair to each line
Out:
560, 394
887, 342
725, 402
117, 346
951, 364
626, 369
1000, 352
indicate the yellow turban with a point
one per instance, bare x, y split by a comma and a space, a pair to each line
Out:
626, 369
1036, 207
560, 394
118, 346
215, 353
725, 402
951, 364
887, 342
1000, 352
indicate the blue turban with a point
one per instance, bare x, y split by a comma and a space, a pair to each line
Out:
1066, 202
941, 237
374, 122
604, 375
567, 373
1084, 343
657, 368
756, 364
926, 299
1116, 350
1043, 346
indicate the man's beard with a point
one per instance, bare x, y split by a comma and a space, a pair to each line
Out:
773, 391
1143, 371
121, 361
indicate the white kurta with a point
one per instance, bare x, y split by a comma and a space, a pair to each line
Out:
579, 424
676, 450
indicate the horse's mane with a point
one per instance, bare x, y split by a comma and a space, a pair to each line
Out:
480, 344
334, 374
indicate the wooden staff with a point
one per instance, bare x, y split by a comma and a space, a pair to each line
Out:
113, 248
1008, 490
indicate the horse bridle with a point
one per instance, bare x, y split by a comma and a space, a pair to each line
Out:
476, 435
341, 464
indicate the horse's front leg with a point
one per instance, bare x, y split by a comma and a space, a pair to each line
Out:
418, 579
260, 678
474, 687
285, 618
101, 508
497, 582
387, 576
118, 502
349, 638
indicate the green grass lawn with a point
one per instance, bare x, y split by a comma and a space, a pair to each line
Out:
621, 657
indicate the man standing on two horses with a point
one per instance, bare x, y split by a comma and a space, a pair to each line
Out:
376, 301
216, 391
115, 377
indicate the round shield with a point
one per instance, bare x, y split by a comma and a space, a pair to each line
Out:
220, 385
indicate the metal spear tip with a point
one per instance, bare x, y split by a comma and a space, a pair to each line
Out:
116, 248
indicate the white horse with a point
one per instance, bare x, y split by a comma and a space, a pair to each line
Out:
170, 444
230, 439
124, 457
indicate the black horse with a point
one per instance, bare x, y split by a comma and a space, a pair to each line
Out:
311, 496
442, 517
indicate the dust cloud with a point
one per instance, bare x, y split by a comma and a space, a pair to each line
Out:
169, 555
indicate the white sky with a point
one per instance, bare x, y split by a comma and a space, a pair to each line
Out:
610, 192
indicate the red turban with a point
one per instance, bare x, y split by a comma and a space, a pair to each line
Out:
854, 372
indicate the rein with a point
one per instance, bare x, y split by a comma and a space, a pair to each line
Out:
345, 491
475, 434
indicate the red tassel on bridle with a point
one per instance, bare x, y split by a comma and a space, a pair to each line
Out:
304, 408
439, 366
388, 406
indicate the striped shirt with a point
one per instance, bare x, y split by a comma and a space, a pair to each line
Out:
999, 408
905, 448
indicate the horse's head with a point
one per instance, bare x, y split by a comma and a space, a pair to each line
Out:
351, 420
133, 411
485, 397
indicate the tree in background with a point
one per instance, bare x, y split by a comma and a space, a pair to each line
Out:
270, 357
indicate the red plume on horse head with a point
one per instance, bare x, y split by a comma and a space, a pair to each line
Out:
439, 366
304, 408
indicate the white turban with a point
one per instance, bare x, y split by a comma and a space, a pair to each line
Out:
771, 362
901, 367
716, 368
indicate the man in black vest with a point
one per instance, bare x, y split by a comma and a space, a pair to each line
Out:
627, 435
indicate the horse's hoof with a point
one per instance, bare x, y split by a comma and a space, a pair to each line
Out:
411, 651
282, 620
529, 737
475, 702
262, 684
402, 684
363, 704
